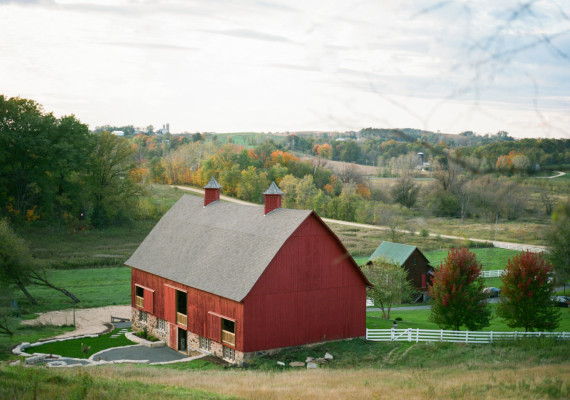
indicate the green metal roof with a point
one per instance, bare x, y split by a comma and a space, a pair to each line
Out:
393, 252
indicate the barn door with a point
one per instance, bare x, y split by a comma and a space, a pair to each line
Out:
173, 343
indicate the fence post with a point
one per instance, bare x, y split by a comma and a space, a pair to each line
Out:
366, 333
515, 335
466, 336
417, 334
409, 334
441, 336
491, 336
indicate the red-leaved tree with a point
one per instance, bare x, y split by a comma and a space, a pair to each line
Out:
526, 294
457, 293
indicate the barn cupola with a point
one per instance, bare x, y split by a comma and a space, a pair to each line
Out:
212, 192
272, 198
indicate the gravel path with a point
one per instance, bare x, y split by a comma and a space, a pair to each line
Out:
88, 321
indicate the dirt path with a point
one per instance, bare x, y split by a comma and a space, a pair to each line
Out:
89, 321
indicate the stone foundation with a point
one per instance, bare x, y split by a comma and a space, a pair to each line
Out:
151, 325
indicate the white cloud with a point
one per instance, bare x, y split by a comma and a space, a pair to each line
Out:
248, 65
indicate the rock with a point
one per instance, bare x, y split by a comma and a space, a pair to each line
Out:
311, 365
321, 360
15, 363
309, 359
297, 364
328, 356
281, 363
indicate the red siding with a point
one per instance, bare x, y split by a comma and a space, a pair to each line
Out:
214, 328
148, 301
309, 293
199, 304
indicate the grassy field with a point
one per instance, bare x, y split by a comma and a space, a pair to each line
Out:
39, 383
533, 369
95, 287
491, 258
419, 319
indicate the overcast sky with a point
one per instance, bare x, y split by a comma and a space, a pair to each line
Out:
288, 65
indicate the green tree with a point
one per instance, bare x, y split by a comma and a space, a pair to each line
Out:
17, 267
526, 294
405, 191
457, 293
112, 192
15, 260
390, 282
41, 160
559, 239
252, 185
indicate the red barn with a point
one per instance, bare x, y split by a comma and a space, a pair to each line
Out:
237, 280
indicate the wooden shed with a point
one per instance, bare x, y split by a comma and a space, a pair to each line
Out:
237, 280
411, 258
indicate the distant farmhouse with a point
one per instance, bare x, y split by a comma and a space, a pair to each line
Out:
411, 258
164, 130
237, 280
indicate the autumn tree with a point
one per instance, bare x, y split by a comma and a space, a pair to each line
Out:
526, 294
391, 284
457, 293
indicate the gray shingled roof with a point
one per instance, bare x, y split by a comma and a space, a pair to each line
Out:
273, 189
213, 184
222, 248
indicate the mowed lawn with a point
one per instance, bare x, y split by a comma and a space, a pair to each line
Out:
419, 319
491, 258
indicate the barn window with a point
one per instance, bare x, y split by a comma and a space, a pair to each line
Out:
181, 308
205, 343
161, 325
143, 317
139, 296
229, 353
228, 332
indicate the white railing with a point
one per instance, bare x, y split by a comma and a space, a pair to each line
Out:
433, 335
497, 273
369, 302
520, 247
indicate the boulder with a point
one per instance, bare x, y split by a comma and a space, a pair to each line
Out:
309, 359
312, 365
328, 356
297, 364
281, 363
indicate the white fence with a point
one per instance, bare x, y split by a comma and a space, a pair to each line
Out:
520, 247
497, 273
432, 335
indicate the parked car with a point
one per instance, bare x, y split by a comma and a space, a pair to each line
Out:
492, 291
561, 301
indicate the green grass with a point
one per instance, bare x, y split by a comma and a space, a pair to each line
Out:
419, 319
203, 364
30, 334
491, 258
40, 383
72, 348
359, 353
95, 287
